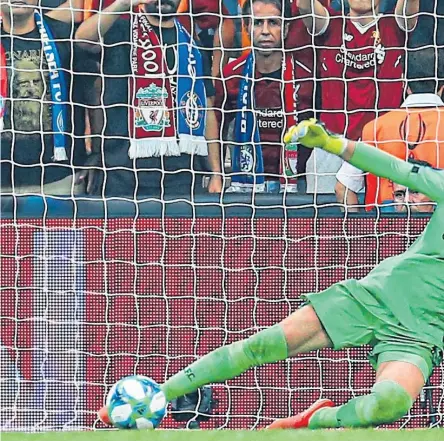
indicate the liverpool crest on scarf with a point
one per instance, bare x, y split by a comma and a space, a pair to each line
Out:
161, 124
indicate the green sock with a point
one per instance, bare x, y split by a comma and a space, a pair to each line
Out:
228, 362
387, 402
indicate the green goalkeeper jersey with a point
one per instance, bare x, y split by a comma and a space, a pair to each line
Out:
410, 285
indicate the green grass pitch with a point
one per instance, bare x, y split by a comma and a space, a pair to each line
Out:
284, 435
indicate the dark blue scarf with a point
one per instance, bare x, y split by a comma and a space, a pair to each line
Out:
59, 92
247, 161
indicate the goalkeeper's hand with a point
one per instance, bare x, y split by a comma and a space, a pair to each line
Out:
311, 133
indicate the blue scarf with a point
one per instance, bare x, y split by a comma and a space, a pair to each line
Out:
59, 92
154, 126
191, 112
247, 160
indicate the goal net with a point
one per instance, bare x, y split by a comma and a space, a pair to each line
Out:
93, 290
86, 301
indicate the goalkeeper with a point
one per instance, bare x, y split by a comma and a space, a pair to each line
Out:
398, 309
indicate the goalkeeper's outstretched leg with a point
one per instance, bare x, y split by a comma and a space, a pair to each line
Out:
397, 383
300, 332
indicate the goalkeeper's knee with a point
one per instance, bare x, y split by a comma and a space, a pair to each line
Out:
267, 346
387, 403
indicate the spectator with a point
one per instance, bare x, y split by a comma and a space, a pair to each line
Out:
406, 199
202, 18
298, 37
209, 21
88, 114
360, 65
277, 88
414, 132
153, 149
37, 149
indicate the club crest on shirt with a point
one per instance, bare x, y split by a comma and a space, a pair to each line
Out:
377, 37
379, 48
191, 108
152, 113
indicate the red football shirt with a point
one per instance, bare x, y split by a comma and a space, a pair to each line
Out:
268, 94
360, 67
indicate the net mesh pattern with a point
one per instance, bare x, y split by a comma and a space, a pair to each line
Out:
87, 302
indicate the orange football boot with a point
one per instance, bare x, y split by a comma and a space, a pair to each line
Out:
104, 417
300, 421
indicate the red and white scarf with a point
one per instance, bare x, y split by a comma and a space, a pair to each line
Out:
289, 155
155, 118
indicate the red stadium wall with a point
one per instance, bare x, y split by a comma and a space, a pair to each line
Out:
157, 292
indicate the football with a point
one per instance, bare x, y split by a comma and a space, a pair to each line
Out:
136, 402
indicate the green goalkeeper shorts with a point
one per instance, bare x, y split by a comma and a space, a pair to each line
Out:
349, 323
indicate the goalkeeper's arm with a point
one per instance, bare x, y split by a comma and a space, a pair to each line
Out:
425, 180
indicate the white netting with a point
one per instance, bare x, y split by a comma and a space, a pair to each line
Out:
92, 290
85, 303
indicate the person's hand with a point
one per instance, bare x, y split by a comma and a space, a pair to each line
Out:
215, 184
311, 133
127, 5
90, 174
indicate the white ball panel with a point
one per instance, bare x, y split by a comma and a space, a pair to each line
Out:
158, 402
110, 395
134, 389
143, 423
121, 413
